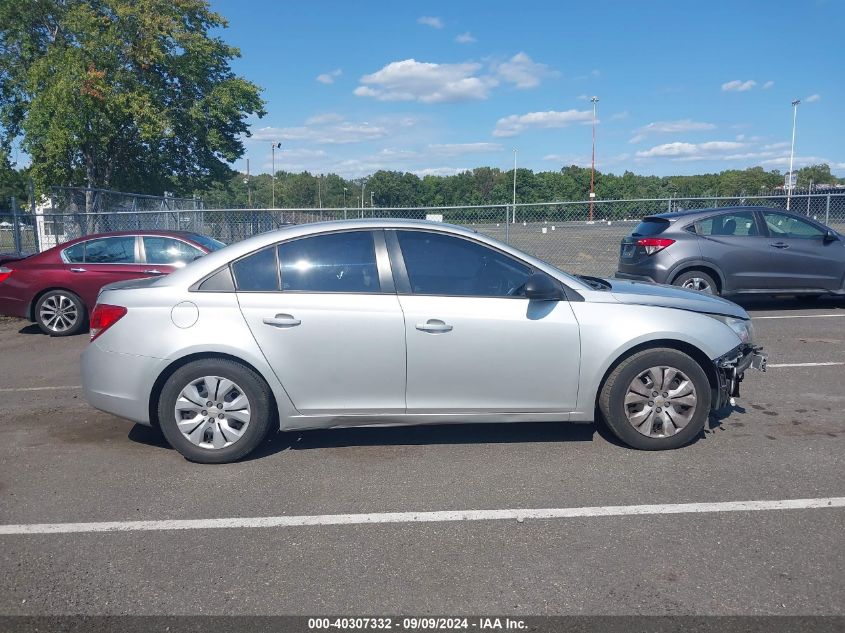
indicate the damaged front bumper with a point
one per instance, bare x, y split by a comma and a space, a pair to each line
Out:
730, 370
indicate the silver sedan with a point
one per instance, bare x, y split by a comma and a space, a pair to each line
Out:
390, 322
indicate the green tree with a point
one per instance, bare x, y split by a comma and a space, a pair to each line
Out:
129, 94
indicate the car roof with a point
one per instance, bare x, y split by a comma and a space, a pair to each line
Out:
693, 213
155, 232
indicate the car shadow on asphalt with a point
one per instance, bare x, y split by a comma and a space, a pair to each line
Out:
516, 433
769, 302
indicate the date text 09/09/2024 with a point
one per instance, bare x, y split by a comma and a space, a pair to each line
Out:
417, 623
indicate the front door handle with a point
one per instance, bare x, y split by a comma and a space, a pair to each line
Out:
77, 270
282, 320
435, 326
153, 271
780, 245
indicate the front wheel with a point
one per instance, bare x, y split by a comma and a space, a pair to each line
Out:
60, 313
656, 399
215, 411
697, 280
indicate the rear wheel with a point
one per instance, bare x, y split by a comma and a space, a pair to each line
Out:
60, 313
697, 280
215, 411
656, 399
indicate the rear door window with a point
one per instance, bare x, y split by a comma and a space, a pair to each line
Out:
336, 262
258, 272
110, 250
75, 254
737, 223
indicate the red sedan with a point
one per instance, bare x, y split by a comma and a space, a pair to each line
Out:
58, 288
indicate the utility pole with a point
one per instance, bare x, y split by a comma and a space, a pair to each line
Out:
372, 206
273, 147
344, 202
795, 105
320, 190
514, 186
594, 101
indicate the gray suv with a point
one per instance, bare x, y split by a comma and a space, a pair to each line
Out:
732, 250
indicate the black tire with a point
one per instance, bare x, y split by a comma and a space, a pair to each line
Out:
697, 280
63, 305
253, 387
612, 398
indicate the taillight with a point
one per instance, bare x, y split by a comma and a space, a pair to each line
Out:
5, 273
654, 245
103, 317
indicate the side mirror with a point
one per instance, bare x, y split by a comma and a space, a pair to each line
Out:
830, 236
540, 287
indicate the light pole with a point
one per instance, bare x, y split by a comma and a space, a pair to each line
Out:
363, 187
795, 105
273, 146
372, 206
594, 101
344, 202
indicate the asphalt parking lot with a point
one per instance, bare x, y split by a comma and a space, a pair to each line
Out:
62, 462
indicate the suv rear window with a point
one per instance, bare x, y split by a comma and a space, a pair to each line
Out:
651, 226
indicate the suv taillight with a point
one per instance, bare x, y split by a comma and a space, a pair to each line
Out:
5, 273
104, 316
654, 245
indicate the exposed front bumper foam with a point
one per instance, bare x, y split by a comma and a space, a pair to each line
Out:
730, 370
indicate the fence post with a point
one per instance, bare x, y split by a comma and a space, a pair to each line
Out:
669, 208
507, 224
827, 210
16, 227
35, 231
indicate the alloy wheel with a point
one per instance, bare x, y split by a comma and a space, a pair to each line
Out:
212, 412
58, 313
660, 401
697, 283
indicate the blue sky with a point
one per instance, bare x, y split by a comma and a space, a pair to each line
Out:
437, 87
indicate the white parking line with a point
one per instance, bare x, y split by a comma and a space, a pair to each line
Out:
53, 388
801, 316
804, 364
421, 517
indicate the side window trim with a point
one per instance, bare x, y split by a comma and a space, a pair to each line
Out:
401, 280
383, 263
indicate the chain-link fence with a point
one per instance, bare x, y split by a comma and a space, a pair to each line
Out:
580, 237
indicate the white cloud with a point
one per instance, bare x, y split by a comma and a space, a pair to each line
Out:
410, 80
440, 171
328, 78
737, 85
516, 123
583, 97
669, 127
812, 98
330, 129
692, 151
523, 72
456, 149
779, 145
768, 84
465, 38
619, 116
432, 21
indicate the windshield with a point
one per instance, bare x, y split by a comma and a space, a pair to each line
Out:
208, 242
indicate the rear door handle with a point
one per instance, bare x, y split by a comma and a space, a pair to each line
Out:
435, 326
780, 245
77, 270
282, 320
153, 271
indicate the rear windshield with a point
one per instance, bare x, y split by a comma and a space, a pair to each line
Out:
651, 226
208, 242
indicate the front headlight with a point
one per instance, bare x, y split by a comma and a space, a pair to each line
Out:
741, 327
